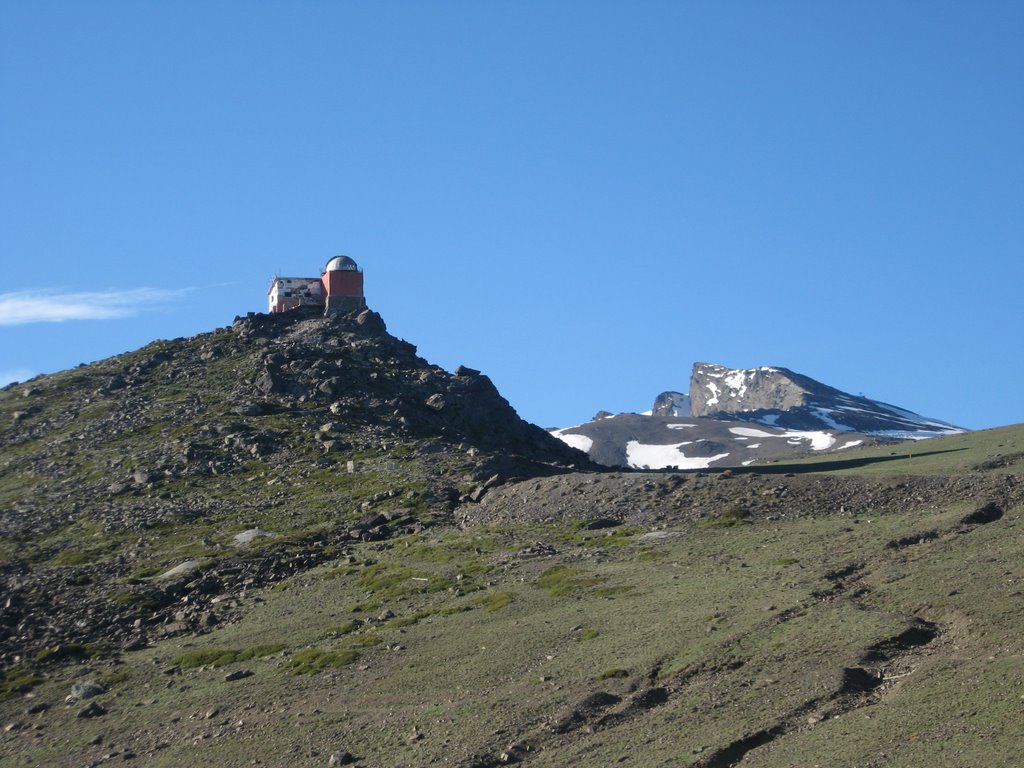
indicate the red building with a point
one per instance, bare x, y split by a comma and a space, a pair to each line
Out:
338, 290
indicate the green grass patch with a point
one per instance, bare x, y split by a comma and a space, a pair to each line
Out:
344, 628
613, 674
313, 660
18, 681
73, 557
494, 601
64, 651
564, 580
219, 657
391, 581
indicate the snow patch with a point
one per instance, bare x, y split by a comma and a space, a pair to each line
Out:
680, 426
713, 400
582, 442
639, 455
820, 441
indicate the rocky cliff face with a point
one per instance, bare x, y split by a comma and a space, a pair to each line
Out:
671, 404
715, 389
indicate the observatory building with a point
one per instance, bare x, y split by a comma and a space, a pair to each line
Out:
338, 290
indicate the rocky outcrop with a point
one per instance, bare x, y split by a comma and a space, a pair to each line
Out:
715, 389
781, 398
671, 404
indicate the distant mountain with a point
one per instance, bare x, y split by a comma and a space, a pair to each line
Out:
711, 426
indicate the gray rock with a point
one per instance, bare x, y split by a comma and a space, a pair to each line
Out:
187, 567
371, 322
341, 758
238, 674
86, 689
248, 536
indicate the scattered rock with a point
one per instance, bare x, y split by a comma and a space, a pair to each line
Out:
238, 674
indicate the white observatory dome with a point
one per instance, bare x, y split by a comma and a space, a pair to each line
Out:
341, 264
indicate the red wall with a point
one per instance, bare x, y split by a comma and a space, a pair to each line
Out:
343, 283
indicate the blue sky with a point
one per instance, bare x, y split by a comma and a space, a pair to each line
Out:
579, 198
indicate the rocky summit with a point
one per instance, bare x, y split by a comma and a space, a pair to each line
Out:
780, 397
278, 419
293, 542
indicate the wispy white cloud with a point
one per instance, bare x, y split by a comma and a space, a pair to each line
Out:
15, 374
23, 307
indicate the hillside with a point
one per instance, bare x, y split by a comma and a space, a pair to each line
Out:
194, 572
316, 429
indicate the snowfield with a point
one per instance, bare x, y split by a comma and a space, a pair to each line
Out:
582, 442
639, 456
820, 441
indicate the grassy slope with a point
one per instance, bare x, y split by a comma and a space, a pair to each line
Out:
1000, 449
747, 629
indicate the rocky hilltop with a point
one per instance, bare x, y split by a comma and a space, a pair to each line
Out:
318, 428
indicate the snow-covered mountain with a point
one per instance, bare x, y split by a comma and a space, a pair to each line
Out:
736, 417
780, 397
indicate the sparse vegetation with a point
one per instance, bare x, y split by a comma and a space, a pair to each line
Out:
564, 580
220, 657
475, 627
313, 660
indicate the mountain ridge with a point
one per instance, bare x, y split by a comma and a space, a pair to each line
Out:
787, 415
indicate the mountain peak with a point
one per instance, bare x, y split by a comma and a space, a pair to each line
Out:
794, 415
781, 397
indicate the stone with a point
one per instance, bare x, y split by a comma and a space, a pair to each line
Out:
269, 384
92, 709
250, 535
86, 689
238, 674
371, 322
179, 570
341, 758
